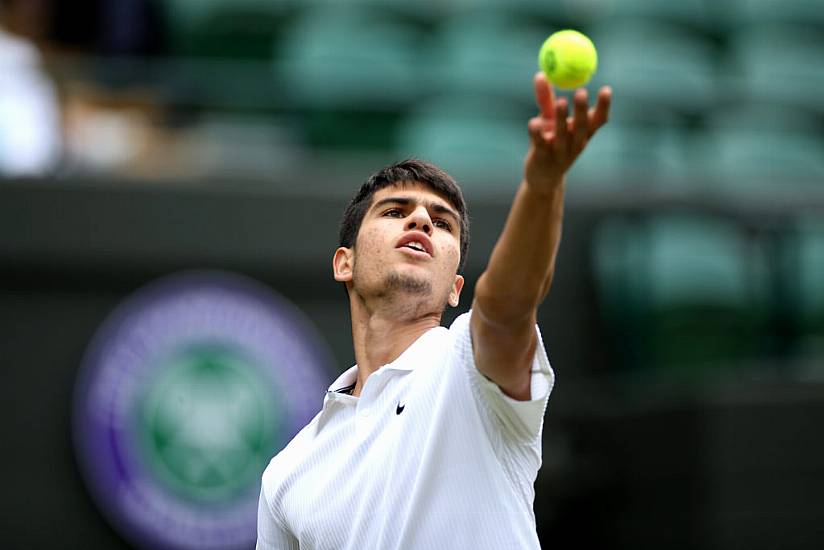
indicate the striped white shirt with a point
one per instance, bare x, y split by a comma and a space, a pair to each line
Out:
431, 455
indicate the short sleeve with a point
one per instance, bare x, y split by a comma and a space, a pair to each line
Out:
271, 535
521, 420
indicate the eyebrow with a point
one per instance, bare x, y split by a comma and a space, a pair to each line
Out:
430, 205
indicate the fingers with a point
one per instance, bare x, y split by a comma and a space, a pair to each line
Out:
561, 141
599, 114
536, 131
571, 138
544, 96
580, 120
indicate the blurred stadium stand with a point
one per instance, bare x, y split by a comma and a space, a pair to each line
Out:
763, 147
245, 29
690, 13
489, 53
807, 265
344, 56
459, 132
778, 62
673, 281
687, 318
793, 11
657, 63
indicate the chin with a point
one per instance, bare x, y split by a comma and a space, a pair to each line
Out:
405, 281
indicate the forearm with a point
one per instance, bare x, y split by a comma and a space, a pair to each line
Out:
520, 268
519, 272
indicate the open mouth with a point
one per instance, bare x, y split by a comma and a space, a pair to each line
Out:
417, 242
415, 246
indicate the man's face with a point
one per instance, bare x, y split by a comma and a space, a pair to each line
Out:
408, 246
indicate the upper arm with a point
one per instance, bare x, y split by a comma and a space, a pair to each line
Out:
271, 535
511, 419
504, 343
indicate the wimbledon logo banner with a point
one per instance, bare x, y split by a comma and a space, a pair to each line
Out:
186, 391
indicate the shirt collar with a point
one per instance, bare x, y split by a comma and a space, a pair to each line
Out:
420, 349
424, 349
349, 377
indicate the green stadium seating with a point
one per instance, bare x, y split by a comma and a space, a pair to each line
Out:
762, 164
760, 117
647, 143
425, 12
779, 63
479, 141
625, 154
641, 145
488, 54
655, 64
770, 11
693, 13
685, 293
238, 29
544, 11
762, 147
354, 130
342, 56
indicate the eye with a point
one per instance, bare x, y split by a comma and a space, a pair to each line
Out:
443, 224
393, 213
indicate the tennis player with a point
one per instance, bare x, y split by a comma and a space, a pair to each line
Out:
433, 439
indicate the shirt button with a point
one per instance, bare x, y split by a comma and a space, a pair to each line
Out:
363, 411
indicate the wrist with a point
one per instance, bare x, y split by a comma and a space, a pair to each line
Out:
546, 189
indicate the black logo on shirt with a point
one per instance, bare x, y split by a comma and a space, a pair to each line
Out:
399, 408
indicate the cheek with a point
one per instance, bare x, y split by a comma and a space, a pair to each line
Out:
452, 255
369, 242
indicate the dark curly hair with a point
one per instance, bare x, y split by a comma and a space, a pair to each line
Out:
405, 171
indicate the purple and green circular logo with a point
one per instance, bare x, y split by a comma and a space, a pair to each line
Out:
187, 390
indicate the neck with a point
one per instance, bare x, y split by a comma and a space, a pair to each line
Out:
381, 335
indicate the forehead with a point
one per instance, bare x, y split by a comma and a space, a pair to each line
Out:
411, 189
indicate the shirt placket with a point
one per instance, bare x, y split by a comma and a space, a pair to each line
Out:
370, 402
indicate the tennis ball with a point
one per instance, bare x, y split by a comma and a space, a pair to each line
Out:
568, 59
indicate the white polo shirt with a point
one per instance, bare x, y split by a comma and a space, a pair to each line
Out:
431, 455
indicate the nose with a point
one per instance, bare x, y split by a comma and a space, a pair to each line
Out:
419, 219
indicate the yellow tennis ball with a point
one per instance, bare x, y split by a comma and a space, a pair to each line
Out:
568, 59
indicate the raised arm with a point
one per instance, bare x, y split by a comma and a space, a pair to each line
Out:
520, 269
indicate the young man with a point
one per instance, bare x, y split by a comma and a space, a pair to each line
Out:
433, 439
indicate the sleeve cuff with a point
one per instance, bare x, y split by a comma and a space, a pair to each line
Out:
524, 419
521, 420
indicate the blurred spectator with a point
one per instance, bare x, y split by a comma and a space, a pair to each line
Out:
106, 27
109, 108
30, 135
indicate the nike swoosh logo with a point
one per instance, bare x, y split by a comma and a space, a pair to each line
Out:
399, 408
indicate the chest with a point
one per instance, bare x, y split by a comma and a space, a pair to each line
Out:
383, 456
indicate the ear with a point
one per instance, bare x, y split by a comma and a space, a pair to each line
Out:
455, 293
342, 264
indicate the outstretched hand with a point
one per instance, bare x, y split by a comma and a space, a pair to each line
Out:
557, 139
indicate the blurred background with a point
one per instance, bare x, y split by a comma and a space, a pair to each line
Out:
141, 139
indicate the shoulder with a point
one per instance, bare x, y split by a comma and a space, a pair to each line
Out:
459, 332
461, 338
289, 458
462, 342
460, 322
519, 420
